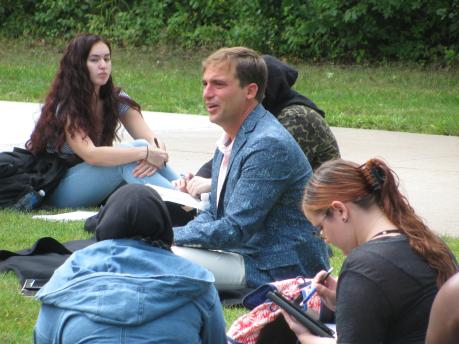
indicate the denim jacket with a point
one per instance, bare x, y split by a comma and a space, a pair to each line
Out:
127, 291
259, 214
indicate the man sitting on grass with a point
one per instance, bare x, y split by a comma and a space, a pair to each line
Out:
254, 231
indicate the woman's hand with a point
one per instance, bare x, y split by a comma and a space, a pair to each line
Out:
302, 333
161, 145
295, 325
326, 289
144, 169
156, 157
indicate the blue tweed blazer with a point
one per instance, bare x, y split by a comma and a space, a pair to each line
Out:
259, 213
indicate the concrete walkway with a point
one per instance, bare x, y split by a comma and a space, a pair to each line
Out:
427, 165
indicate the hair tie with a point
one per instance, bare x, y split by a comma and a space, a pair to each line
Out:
373, 175
379, 176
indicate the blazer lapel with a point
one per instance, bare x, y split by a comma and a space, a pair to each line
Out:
241, 138
217, 161
246, 128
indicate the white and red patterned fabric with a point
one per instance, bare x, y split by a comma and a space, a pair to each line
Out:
247, 327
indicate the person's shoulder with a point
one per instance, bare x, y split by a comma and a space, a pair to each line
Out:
383, 246
389, 256
450, 289
262, 124
299, 112
259, 116
356, 257
444, 316
272, 137
376, 251
269, 127
269, 133
123, 94
448, 298
124, 104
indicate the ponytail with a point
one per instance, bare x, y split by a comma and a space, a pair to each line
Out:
375, 183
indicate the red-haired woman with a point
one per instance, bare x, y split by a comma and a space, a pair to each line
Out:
395, 263
79, 120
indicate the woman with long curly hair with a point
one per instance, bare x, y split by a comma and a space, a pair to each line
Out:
79, 121
394, 265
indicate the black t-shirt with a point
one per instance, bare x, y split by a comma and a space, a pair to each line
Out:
385, 292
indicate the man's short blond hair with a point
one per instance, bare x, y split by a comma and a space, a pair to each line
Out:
248, 65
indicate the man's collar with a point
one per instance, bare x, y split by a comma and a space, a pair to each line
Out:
241, 120
224, 142
252, 116
252, 119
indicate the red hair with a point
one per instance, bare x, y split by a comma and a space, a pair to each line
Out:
375, 183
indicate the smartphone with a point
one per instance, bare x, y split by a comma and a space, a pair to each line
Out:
316, 327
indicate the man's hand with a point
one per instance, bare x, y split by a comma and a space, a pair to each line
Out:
181, 184
193, 185
198, 185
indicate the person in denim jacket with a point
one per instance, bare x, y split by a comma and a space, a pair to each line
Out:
129, 287
254, 231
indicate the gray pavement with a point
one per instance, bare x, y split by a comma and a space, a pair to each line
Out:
427, 165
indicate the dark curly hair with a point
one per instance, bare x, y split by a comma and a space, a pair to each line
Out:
70, 101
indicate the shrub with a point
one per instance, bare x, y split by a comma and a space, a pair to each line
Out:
341, 30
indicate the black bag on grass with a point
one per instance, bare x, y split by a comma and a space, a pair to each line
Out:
22, 173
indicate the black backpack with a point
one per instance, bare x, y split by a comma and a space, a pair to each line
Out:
21, 172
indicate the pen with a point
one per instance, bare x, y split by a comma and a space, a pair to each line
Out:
329, 271
157, 146
314, 289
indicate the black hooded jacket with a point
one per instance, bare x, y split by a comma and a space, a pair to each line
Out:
279, 94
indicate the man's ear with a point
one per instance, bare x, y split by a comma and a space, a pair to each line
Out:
252, 90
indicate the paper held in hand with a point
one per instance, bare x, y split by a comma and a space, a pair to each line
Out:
179, 197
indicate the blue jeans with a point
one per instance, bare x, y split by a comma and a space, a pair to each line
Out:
86, 185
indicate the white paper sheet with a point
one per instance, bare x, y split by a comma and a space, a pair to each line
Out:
166, 194
178, 197
72, 216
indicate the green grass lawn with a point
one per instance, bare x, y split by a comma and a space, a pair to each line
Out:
391, 97
19, 231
